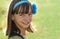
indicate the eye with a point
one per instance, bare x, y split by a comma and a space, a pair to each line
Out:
30, 14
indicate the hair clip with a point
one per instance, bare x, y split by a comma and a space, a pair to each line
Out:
34, 8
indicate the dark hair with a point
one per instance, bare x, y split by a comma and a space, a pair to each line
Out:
10, 24
23, 9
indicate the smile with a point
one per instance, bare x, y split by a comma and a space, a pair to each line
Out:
26, 23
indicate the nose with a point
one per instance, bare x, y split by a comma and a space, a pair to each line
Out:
27, 18
26, 15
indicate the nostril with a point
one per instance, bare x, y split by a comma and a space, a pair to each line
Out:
28, 22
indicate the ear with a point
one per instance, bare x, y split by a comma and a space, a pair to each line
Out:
12, 17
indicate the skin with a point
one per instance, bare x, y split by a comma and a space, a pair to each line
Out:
22, 21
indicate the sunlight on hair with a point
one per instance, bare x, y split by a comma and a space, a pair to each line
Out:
4, 31
33, 27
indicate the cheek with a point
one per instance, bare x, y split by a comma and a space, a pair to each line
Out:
19, 19
30, 18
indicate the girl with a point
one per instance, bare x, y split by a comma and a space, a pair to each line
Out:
19, 19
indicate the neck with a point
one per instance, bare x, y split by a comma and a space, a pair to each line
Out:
23, 31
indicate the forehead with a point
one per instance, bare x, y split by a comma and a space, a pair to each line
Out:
26, 8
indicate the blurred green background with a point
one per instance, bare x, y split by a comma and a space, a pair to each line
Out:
47, 19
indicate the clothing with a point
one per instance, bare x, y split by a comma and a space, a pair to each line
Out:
15, 35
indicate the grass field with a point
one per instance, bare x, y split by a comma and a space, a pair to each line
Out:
47, 19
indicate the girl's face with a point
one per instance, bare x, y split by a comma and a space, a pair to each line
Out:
22, 20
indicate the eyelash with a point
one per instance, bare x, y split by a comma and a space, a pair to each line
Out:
30, 14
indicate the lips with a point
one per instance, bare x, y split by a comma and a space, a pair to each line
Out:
26, 23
